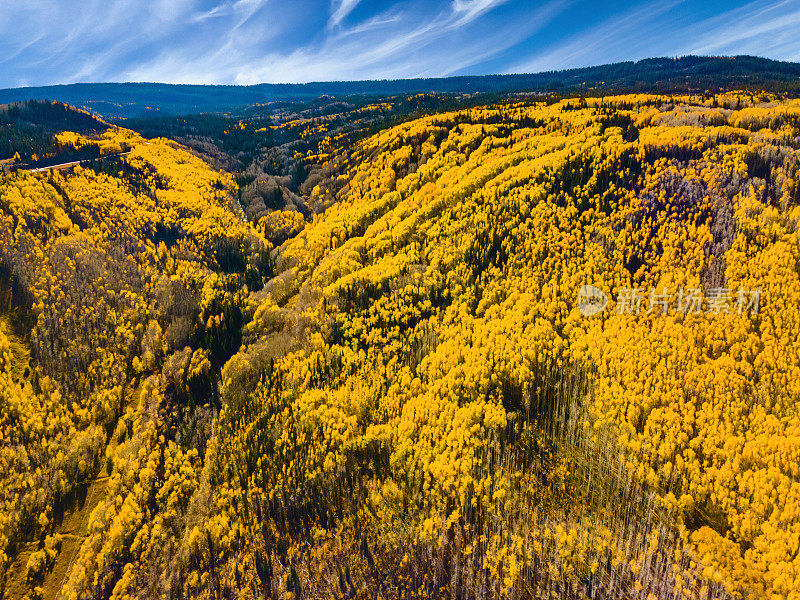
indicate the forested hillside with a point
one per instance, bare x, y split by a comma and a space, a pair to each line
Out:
104, 274
405, 398
659, 75
28, 133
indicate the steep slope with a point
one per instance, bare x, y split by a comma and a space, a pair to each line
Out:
424, 400
109, 274
28, 133
421, 409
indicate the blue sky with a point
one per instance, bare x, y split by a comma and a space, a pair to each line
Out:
250, 41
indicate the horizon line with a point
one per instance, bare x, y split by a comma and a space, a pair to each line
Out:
401, 79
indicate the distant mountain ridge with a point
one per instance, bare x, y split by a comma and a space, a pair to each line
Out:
663, 75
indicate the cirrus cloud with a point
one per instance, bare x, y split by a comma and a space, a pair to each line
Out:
251, 41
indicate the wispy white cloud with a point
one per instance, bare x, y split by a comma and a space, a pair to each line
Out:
764, 28
469, 10
659, 28
412, 39
251, 41
620, 37
216, 12
46, 41
378, 21
341, 9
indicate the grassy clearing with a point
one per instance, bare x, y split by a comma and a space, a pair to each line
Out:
73, 530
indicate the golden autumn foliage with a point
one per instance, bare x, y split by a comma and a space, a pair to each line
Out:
435, 304
105, 274
413, 405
